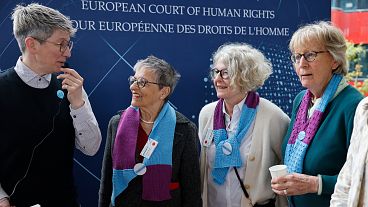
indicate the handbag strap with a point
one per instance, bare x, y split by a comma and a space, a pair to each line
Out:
271, 203
241, 183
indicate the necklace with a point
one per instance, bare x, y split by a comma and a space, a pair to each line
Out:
147, 122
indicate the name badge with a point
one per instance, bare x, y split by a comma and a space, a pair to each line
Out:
208, 138
149, 148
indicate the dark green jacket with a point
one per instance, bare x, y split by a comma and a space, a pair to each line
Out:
327, 152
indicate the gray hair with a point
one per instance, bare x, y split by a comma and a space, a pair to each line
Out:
166, 75
39, 22
328, 36
247, 67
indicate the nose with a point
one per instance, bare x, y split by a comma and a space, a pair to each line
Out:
67, 53
134, 86
217, 76
302, 61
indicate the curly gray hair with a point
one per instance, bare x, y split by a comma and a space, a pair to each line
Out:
247, 67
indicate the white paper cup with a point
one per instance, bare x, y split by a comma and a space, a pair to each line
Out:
278, 170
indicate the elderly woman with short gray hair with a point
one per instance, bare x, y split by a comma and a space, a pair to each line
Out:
241, 133
151, 156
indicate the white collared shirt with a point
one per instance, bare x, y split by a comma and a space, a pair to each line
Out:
87, 133
229, 194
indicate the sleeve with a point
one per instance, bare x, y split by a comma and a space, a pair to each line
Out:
201, 122
203, 119
3, 194
280, 123
189, 170
329, 181
341, 193
87, 132
105, 190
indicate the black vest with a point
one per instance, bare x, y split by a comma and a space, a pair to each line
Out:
27, 116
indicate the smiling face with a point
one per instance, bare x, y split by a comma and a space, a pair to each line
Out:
150, 97
231, 94
316, 74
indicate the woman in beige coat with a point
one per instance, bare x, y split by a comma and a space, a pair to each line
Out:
241, 133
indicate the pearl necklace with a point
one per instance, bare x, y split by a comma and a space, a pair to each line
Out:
147, 122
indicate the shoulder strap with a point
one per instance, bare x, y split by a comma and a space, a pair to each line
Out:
241, 183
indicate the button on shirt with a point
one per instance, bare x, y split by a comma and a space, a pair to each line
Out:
87, 133
229, 194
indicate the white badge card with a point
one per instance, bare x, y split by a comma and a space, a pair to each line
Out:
149, 148
208, 138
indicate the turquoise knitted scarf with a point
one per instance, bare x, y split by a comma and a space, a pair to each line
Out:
227, 149
304, 129
157, 178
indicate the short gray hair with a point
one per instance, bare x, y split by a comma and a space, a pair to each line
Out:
166, 75
327, 35
247, 67
39, 22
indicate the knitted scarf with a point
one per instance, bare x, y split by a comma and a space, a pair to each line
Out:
158, 167
227, 149
304, 129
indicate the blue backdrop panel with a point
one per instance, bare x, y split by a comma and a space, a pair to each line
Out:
113, 35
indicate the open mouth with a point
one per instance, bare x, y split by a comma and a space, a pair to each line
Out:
221, 87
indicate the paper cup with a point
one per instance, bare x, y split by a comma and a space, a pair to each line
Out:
278, 170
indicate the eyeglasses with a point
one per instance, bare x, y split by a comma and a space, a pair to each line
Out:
63, 44
223, 73
141, 82
308, 56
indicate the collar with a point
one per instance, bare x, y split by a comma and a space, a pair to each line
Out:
343, 83
237, 108
28, 75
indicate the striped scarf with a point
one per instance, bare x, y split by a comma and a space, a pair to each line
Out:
304, 129
227, 150
158, 166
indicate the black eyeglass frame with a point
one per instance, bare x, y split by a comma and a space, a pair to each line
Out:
308, 56
214, 72
141, 82
62, 45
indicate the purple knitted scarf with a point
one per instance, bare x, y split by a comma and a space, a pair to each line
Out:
304, 129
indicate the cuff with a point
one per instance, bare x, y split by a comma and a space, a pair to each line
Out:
319, 192
79, 115
3, 193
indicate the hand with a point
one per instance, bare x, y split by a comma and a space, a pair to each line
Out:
73, 83
295, 184
4, 202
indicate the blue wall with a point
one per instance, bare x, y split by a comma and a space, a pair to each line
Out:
105, 58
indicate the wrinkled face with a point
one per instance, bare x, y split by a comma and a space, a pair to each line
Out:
148, 96
48, 55
315, 74
222, 86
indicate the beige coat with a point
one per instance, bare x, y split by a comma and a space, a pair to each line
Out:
270, 127
351, 189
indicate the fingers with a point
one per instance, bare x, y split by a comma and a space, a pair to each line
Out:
72, 79
72, 82
4, 203
295, 184
72, 72
284, 192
